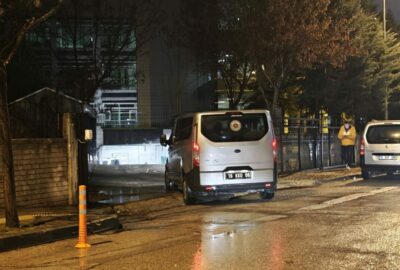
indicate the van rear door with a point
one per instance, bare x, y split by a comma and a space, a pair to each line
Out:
383, 144
236, 140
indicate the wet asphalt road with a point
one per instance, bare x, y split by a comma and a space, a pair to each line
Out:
122, 188
340, 225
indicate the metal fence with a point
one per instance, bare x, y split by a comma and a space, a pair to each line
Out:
307, 143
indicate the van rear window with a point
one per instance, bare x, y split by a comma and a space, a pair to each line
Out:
233, 127
383, 134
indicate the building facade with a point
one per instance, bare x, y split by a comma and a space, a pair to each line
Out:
111, 58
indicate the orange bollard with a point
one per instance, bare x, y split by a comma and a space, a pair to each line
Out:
82, 238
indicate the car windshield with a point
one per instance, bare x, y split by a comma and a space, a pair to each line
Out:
234, 127
383, 134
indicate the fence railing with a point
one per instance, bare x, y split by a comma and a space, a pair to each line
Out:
119, 123
306, 144
303, 143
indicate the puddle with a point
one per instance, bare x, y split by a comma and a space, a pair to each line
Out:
120, 195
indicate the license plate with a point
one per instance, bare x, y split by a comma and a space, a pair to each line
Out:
238, 175
387, 157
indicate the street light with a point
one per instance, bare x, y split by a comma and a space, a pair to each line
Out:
384, 40
384, 19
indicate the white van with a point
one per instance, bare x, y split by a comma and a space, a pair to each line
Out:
222, 153
380, 148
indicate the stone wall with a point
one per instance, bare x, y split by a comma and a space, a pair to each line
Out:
40, 172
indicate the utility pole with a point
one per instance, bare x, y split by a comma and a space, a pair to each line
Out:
384, 41
384, 20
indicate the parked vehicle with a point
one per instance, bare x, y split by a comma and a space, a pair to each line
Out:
380, 148
222, 153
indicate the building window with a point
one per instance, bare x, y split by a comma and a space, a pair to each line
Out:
84, 40
121, 78
117, 37
38, 36
64, 39
65, 36
132, 115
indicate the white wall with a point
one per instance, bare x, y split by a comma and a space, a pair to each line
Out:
133, 154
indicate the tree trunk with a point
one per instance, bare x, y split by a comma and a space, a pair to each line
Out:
239, 97
262, 87
386, 105
277, 89
7, 162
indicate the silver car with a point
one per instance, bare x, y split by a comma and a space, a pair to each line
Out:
380, 148
222, 153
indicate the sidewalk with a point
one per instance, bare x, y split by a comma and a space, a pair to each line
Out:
315, 177
44, 225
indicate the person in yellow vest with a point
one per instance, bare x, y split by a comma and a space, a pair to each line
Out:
347, 136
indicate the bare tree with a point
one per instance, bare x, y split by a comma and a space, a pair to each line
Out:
16, 19
273, 39
217, 32
294, 36
100, 37
94, 45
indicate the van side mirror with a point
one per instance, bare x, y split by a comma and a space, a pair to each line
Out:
163, 140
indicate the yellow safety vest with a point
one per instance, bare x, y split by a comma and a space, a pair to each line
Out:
349, 137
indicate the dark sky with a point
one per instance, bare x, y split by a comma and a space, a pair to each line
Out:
393, 5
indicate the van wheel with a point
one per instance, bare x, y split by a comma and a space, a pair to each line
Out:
267, 195
187, 197
365, 174
169, 185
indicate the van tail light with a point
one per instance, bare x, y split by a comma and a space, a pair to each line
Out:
275, 149
210, 188
196, 154
362, 147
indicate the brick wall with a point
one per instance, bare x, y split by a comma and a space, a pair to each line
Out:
40, 172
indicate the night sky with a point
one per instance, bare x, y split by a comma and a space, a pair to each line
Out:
393, 5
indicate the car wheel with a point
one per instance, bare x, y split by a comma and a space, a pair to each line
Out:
365, 174
169, 185
267, 195
187, 197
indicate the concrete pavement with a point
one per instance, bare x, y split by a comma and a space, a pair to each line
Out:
45, 225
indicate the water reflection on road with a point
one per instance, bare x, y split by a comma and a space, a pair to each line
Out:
104, 187
120, 195
233, 239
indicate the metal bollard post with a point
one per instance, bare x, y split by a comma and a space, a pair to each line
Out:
82, 238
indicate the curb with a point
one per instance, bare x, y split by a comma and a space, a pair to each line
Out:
61, 233
319, 182
347, 177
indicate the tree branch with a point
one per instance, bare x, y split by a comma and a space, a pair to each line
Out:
25, 28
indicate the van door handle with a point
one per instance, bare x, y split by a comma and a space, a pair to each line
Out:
237, 151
